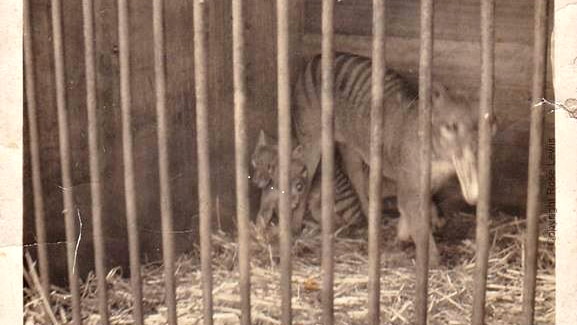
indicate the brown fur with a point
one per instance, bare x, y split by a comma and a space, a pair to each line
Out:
454, 134
264, 161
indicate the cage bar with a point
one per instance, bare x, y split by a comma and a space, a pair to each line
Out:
37, 188
94, 157
128, 158
425, 109
163, 163
204, 190
376, 159
65, 159
284, 135
328, 163
484, 157
535, 156
241, 158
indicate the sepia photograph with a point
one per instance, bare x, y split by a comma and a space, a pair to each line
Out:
292, 162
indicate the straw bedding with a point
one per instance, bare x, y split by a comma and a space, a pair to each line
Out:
450, 287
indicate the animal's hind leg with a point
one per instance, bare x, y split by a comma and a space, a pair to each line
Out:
354, 168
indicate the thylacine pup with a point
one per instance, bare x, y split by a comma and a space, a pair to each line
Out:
454, 135
264, 161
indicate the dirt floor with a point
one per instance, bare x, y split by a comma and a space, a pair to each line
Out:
450, 286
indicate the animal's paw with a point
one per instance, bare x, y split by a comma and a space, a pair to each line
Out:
438, 222
434, 255
403, 229
434, 260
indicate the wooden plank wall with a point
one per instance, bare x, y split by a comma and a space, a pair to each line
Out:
457, 60
262, 106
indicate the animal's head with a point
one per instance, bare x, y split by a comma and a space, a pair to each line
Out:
454, 137
264, 160
267, 157
298, 178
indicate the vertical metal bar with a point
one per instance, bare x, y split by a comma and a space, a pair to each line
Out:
328, 162
376, 143
94, 156
535, 152
425, 112
203, 150
128, 158
65, 159
284, 134
241, 158
39, 216
163, 162
484, 160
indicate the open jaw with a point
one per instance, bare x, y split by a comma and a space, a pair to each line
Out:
466, 167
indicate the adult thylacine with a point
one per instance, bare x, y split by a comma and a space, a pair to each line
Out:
454, 135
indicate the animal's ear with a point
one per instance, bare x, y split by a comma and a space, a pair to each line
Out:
449, 130
305, 173
298, 152
438, 93
494, 124
263, 139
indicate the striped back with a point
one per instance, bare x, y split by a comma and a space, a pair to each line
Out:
352, 83
348, 210
352, 106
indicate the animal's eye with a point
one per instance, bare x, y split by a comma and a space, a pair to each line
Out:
299, 186
451, 127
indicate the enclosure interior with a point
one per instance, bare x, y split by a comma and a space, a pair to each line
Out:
456, 64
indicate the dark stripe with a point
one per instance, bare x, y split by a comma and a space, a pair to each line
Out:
361, 73
344, 75
340, 59
363, 86
353, 212
309, 89
346, 195
340, 180
364, 92
391, 81
346, 204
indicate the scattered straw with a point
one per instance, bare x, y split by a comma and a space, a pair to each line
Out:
450, 287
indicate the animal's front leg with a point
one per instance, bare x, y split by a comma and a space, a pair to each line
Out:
314, 200
354, 167
412, 226
268, 204
437, 221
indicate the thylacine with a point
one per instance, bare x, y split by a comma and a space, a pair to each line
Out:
264, 161
454, 135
